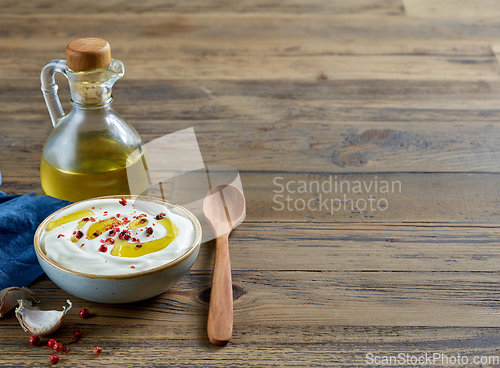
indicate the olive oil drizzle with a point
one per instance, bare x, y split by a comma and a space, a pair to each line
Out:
98, 228
69, 218
136, 224
124, 248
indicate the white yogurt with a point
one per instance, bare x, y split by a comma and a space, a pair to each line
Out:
84, 254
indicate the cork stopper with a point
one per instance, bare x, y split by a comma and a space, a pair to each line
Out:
88, 54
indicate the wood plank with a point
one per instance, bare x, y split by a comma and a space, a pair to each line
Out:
458, 198
165, 117
297, 68
299, 146
356, 147
391, 337
360, 247
191, 27
162, 8
196, 46
328, 346
435, 299
327, 101
446, 9
313, 67
468, 198
184, 53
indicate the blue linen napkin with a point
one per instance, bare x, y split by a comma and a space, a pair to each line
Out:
20, 216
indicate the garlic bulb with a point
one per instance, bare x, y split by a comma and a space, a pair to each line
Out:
10, 296
40, 322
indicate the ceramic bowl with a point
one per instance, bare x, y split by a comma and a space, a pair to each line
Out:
124, 288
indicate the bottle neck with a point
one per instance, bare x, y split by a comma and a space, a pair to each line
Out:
92, 106
90, 93
92, 89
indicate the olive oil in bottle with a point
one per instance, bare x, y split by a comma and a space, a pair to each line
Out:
94, 178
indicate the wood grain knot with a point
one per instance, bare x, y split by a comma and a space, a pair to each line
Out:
322, 76
359, 149
204, 295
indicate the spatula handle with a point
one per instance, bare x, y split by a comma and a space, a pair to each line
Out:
220, 312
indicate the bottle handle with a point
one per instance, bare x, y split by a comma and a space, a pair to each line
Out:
49, 88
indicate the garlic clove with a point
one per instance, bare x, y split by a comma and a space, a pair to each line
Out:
9, 297
40, 322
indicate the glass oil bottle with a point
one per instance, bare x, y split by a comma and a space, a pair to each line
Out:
92, 150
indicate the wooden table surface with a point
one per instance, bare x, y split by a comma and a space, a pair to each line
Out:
403, 94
